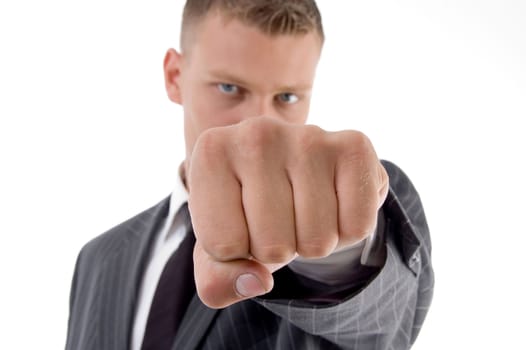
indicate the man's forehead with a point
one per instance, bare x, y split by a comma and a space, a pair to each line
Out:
219, 24
235, 40
231, 51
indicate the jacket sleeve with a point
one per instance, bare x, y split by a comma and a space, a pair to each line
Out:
388, 311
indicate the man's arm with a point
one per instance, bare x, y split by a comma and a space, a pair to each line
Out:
389, 309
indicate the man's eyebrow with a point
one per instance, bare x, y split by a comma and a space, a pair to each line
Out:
291, 88
222, 76
226, 77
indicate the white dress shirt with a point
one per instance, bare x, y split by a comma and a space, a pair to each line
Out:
168, 240
339, 266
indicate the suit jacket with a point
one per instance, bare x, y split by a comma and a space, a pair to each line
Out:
387, 313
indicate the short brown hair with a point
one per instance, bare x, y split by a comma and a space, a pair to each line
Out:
273, 17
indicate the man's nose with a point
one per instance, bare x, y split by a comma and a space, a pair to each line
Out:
261, 107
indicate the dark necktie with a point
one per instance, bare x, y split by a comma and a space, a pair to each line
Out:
173, 294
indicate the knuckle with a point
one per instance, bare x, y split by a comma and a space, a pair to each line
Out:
207, 291
310, 139
209, 281
255, 137
222, 251
359, 141
208, 146
358, 236
275, 253
358, 164
204, 282
310, 149
317, 248
355, 234
354, 145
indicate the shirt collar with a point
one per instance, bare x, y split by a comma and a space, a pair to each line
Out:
178, 197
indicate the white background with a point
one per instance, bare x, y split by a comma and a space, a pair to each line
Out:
89, 139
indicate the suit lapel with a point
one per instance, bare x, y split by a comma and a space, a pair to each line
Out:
125, 269
196, 322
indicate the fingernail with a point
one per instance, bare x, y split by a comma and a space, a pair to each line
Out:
248, 286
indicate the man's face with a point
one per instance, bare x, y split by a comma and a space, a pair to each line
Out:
230, 72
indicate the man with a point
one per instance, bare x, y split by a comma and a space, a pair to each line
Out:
303, 238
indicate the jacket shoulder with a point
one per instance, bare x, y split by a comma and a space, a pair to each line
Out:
121, 234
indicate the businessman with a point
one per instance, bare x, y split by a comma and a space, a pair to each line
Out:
278, 235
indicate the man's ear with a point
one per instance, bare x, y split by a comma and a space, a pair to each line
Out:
172, 75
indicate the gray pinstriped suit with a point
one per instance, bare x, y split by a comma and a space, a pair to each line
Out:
386, 314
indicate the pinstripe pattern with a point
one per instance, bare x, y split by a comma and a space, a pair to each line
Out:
106, 282
386, 314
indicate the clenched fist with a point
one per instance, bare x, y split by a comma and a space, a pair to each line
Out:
265, 191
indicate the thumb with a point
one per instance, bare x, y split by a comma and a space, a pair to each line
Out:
223, 283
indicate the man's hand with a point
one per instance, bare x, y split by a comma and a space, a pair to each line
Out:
264, 191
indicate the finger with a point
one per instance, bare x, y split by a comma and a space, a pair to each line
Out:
315, 205
357, 184
220, 284
269, 211
258, 160
215, 201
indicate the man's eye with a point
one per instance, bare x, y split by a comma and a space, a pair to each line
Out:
288, 98
229, 89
